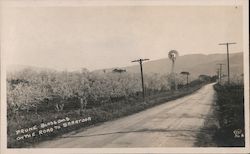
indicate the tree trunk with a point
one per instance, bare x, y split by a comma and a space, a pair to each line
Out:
83, 105
59, 106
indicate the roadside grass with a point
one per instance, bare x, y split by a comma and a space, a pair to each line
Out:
102, 113
230, 115
224, 126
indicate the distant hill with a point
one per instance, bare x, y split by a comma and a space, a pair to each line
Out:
196, 64
16, 68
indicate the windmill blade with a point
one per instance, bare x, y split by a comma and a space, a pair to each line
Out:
172, 54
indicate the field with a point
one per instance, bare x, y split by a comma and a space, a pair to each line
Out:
39, 100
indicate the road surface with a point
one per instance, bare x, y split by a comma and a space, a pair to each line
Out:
172, 124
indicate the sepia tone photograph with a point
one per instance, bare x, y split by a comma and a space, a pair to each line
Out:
125, 76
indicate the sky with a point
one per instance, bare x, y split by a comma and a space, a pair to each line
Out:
96, 37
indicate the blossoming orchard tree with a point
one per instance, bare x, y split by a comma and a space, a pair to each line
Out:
44, 91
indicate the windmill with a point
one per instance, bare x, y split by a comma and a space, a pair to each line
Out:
172, 55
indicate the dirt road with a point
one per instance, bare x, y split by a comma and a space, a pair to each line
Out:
172, 124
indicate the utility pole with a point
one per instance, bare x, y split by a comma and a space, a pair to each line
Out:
187, 79
187, 74
220, 71
228, 71
142, 80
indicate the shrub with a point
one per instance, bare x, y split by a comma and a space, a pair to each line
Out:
230, 101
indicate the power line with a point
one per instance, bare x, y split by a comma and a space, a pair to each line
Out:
142, 80
228, 71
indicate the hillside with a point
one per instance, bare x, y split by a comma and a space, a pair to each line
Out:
196, 64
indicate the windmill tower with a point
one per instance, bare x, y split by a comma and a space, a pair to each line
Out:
172, 55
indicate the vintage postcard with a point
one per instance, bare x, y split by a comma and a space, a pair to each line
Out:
128, 76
